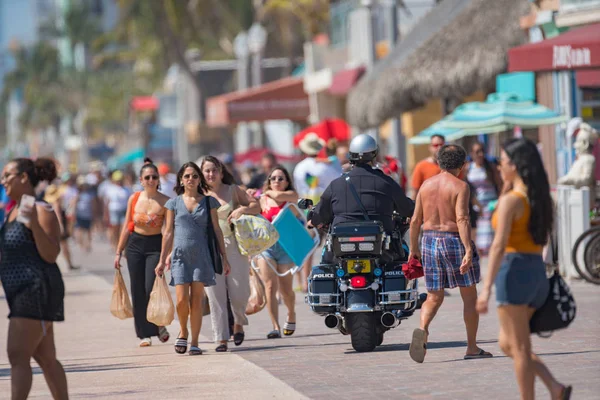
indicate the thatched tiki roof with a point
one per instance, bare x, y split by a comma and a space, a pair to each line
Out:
465, 52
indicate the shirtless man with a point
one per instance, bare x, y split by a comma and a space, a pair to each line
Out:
449, 257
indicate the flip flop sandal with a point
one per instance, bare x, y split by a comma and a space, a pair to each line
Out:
275, 334
481, 354
222, 348
163, 334
238, 338
181, 345
195, 351
566, 393
418, 346
146, 342
289, 328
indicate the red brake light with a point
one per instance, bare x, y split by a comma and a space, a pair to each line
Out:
357, 239
358, 282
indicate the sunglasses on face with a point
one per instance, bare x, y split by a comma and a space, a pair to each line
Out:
7, 176
151, 177
436, 145
191, 176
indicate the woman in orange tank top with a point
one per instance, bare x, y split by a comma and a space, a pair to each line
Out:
522, 222
141, 234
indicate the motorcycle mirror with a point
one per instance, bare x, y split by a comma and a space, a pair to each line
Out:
305, 204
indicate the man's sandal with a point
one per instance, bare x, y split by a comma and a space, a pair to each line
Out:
418, 346
195, 351
181, 345
481, 354
163, 334
146, 342
289, 328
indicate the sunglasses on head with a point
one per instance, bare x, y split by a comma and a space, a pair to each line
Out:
277, 179
151, 177
193, 176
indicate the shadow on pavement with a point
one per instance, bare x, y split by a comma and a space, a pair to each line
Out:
295, 337
284, 346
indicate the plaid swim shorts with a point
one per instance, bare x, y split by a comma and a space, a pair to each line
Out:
442, 254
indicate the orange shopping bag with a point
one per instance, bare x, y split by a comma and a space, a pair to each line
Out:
120, 305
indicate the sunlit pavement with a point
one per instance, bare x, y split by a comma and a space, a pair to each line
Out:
102, 359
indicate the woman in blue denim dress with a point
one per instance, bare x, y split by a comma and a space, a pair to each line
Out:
185, 250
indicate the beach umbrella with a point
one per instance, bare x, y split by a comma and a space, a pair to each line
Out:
502, 109
451, 134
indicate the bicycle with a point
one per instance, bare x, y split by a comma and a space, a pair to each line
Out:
591, 255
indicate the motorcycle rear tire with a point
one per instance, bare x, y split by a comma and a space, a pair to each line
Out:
363, 331
380, 339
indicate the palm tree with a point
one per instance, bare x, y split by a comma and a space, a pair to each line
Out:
37, 76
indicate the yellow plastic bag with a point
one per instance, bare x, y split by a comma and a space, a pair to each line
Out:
161, 310
120, 305
258, 298
254, 234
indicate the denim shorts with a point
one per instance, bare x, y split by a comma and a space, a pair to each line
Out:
277, 253
522, 280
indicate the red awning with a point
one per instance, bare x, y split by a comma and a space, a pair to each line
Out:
344, 80
281, 99
144, 103
575, 49
588, 78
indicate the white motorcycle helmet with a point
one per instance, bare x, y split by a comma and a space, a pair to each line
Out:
363, 149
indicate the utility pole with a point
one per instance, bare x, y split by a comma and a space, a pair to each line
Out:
397, 142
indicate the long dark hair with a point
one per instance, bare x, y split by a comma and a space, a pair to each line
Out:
524, 154
287, 177
489, 169
227, 178
148, 164
202, 187
42, 169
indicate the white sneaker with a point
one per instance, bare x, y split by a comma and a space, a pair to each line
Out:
146, 342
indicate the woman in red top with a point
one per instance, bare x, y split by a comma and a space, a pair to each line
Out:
278, 191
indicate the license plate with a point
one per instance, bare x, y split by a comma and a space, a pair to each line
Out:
359, 266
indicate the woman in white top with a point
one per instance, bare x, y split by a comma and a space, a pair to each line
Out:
485, 179
235, 286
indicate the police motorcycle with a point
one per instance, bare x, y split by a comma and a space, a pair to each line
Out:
362, 293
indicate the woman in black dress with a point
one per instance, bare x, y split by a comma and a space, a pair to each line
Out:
31, 279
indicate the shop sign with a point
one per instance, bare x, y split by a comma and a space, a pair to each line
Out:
567, 57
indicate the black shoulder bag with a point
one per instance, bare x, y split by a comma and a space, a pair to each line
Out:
213, 241
560, 309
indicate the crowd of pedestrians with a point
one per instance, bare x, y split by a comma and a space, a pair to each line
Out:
183, 223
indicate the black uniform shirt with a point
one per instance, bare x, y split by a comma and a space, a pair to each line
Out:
379, 194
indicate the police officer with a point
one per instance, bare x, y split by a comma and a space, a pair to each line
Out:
379, 194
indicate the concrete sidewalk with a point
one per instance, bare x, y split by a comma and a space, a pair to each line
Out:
102, 360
